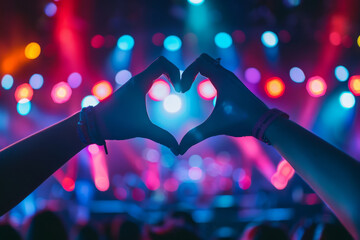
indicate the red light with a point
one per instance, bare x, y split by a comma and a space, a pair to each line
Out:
24, 91
97, 41
354, 85
274, 87
206, 90
68, 184
316, 86
335, 38
102, 90
61, 92
159, 90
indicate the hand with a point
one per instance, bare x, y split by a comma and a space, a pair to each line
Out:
236, 111
123, 115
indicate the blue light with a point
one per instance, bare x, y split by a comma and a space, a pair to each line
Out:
123, 76
7, 81
269, 39
196, 2
347, 100
23, 107
50, 9
341, 73
89, 100
172, 43
223, 40
126, 42
36, 81
297, 75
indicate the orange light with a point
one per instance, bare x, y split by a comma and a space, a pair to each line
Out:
102, 90
24, 91
274, 87
32, 50
279, 181
354, 85
316, 86
61, 92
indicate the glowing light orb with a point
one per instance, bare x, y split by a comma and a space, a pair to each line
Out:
316, 86
126, 42
206, 90
297, 75
158, 39
358, 40
7, 81
223, 40
122, 77
274, 87
32, 50
61, 92
195, 161
172, 103
102, 90
68, 184
279, 181
24, 91
93, 149
50, 9
335, 38
252, 75
354, 85
89, 100
292, 3
341, 73
97, 41
171, 185
347, 100
285, 169
195, 173
196, 2
23, 107
269, 39
172, 43
159, 90
36, 81
74, 80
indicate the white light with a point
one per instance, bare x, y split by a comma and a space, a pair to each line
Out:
172, 103
347, 100
196, 2
89, 100
122, 77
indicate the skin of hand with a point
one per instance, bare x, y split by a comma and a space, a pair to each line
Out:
123, 115
236, 111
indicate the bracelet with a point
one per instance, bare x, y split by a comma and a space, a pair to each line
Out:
88, 129
264, 122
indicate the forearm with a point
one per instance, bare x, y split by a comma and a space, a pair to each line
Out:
333, 175
24, 165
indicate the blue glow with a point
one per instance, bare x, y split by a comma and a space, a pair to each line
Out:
36, 81
172, 43
341, 73
195, 161
196, 2
347, 100
74, 80
292, 3
223, 40
7, 81
50, 9
224, 201
202, 216
89, 100
269, 39
23, 107
297, 75
126, 42
122, 77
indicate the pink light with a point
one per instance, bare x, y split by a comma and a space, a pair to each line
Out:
158, 39
68, 184
120, 193
206, 90
93, 149
100, 171
316, 86
335, 38
195, 173
138, 194
97, 41
61, 92
24, 91
159, 90
102, 90
279, 181
152, 180
285, 169
311, 199
245, 182
171, 185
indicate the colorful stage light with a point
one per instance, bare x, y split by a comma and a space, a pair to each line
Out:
207, 90
171, 185
252, 75
158, 39
347, 100
316, 86
36, 81
50, 9
358, 41
285, 169
274, 87
122, 77
354, 85
341, 73
126, 42
7, 81
97, 41
172, 43
159, 90
195, 173
195, 161
61, 92
68, 184
23, 106
238, 36
32, 50
335, 38
279, 181
89, 100
24, 91
74, 80
297, 75
292, 3
269, 39
102, 90
172, 103
223, 40
196, 2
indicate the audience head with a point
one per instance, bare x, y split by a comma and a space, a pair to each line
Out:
88, 232
7, 232
173, 233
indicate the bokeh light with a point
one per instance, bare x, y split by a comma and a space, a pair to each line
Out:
159, 90
122, 77
126, 42
97, 41
252, 75
316, 86
61, 92
196, 2
68, 184
341, 73
274, 87
89, 100
50, 9
32, 50
195, 173
7, 81
347, 100
172, 103
74, 80
358, 40
335, 38
158, 39
297, 75
36, 81
172, 43
207, 90
223, 40
354, 85
24, 91
23, 106
102, 90
269, 39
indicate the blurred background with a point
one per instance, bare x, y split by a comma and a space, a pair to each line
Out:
301, 56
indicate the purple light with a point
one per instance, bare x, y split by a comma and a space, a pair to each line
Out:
50, 9
195, 173
252, 75
74, 80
